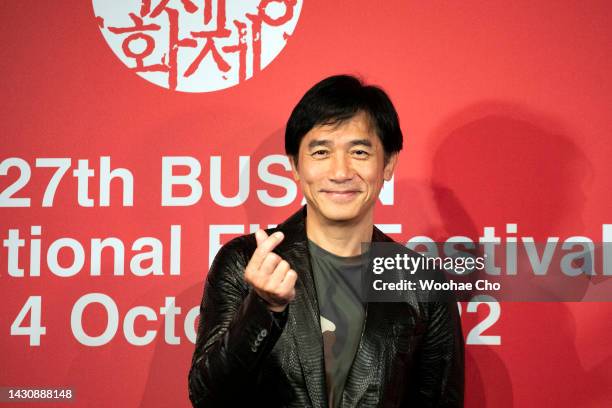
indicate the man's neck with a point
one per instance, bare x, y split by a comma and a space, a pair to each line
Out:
340, 238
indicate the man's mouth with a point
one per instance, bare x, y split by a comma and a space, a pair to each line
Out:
341, 195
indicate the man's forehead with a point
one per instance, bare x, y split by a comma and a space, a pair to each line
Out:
356, 130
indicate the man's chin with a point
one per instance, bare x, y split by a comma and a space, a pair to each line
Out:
345, 215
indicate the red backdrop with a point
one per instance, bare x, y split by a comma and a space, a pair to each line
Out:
505, 111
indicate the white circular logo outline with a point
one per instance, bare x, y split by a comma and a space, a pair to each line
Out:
197, 45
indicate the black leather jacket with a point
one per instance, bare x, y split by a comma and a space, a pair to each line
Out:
410, 354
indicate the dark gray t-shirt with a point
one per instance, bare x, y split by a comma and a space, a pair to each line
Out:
338, 283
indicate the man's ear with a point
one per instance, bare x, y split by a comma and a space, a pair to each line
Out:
294, 171
390, 166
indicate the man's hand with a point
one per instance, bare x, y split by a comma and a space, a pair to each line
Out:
271, 276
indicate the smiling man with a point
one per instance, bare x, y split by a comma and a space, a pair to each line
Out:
340, 167
283, 321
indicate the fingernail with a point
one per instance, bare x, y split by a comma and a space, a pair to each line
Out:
278, 235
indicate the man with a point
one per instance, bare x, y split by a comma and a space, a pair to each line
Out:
270, 295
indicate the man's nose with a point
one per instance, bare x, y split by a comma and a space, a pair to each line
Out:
341, 168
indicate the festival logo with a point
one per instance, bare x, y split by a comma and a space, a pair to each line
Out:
197, 45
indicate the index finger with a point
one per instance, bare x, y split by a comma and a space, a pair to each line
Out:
265, 248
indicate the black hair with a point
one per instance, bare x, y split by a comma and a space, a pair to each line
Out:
337, 99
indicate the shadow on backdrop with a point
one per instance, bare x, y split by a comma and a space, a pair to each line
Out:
498, 163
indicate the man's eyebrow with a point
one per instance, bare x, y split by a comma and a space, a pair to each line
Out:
362, 142
319, 142
327, 143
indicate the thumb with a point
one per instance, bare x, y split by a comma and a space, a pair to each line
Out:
260, 236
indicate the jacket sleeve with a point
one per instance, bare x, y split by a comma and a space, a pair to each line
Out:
440, 360
236, 332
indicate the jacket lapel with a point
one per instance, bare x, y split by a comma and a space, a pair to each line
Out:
304, 310
368, 356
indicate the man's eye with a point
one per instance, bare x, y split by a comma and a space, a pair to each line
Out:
319, 153
360, 153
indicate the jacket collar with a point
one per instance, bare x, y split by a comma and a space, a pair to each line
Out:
294, 229
304, 310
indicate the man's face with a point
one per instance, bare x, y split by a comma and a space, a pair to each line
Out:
341, 170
